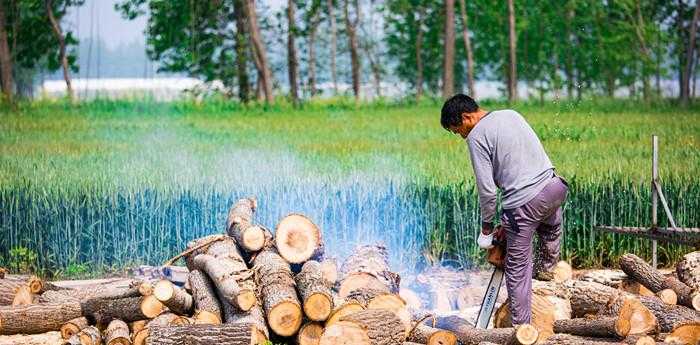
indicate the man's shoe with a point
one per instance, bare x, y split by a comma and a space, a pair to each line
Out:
545, 276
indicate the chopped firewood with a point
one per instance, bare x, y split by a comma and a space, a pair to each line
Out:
117, 333
366, 327
231, 334
239, 225
612, 327
642, 320
329, 269
176, 299
102, 311
431, 336
37, 318
367, 267
310, 333
298, 239
341, 308
73, 326
688, 333
315, 294
224, 265
648, 276
667, 296
207, 305
688, 270
278, 293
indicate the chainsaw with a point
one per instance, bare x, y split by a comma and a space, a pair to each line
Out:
496, 257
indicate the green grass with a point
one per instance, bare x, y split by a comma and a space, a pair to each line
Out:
120, 182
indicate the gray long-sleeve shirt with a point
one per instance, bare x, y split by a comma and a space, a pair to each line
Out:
507, 154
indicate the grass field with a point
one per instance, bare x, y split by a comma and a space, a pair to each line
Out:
112, 183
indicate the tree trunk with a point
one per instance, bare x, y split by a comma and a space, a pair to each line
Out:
6, 68
225, 266
249, 237
329, 269
312, 52
73, 327
254, 317
419, 53
367, 327
176, 299
512, 70
351, 27
314, 292
567, 339
37, 318
667, 316
648, 276
97, 291
468, 335
688, 270
685, 75
298, 239
546, 308
468, 46
685, 334
278, 293
292, 63
233, 334
165, 319
363, 295
207, 306
241, 51
310, 333
667, 296
117, 333
262, 64
334, 44
423, 334
62, 47
368, 267
342, 307
103, 311
611, 327
448, 82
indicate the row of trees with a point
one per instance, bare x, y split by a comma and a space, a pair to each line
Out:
564, 48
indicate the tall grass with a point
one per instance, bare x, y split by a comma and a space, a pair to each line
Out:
115, 183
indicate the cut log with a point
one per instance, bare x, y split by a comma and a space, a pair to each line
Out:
72, 327
10, 284
225, 266
89, 335
548, 304
278, 293
367, 327
688, 333
95, 291
315, 294
367, 267
231, 334
310, 333
146, 289
364, 295
239, 225
200, 246
568, 339
102, 311
24, 296
176, 299
612, 278
524, 334
37, 318
151, 307
207, 306
667, 296
329, 269
165, 319
642, 319
562, 272
431, 336
254, 317
667, 315
3, 272
117, 333
342, 307
688, 270
650, 277
298, 239
137, 326
606, 327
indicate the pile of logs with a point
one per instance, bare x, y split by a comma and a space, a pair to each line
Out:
246, 286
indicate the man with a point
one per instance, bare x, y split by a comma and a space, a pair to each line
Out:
507, 155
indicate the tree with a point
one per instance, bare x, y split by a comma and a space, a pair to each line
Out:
261, 62
468, 47
512, 70
313, 18
686, 72
292, 63
419, 52
242, 49
5, 58
449, 55
61, 46
351, 27
334, 43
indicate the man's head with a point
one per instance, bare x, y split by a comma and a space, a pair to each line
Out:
460, 114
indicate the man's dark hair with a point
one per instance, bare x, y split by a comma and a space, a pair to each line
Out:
454, 107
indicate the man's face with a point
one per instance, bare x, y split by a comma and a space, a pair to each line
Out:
468, 123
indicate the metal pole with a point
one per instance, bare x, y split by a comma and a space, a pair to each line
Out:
654, 193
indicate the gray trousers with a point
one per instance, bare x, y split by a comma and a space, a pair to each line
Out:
542, 214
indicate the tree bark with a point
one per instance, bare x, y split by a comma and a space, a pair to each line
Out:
329, 269
468, 47
568, 339
262, 64
241, 47
254, 317
648, 276
310, 333
315, 294
298, 239
117, 333
164, 319
334, 44
666, 315
103, 311
312, 51
685, 334
239, 225
72, 327
610, 327
62, 48
87, 336
176, 299
685, 75
233, 334
468, 335
368, 267
37, 318
423, 334
351, 27
205, 301
292, 63
688, 270
449, 51
278, 293
370, 327
419, 53
512, 41
6, 68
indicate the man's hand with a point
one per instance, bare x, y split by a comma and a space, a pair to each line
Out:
485, 239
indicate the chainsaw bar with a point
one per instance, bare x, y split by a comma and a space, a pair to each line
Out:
490, 297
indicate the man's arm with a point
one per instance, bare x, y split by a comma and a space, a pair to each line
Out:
483, 171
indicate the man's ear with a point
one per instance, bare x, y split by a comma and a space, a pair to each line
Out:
466, 117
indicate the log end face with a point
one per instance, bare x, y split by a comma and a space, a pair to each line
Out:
359, 280
526, 334
318, 307
310, 334
204, 317
297, 238
442, 337
343, 310
285, 318
344, 333
68, 330
246, 300
151, 306
695, 301
36, 286
253, 238
645, 340
140, 337
163, 290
